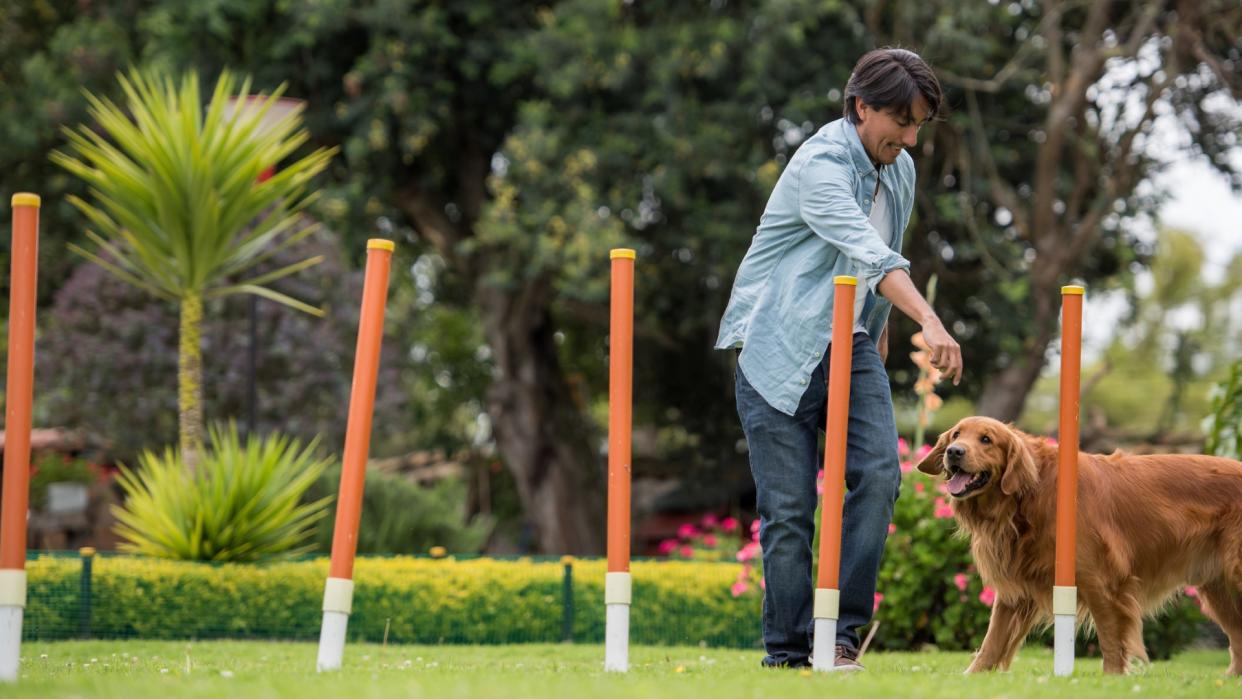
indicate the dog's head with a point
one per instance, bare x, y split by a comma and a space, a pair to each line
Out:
979, 454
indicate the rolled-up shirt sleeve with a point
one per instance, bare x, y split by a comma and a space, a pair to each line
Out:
828, 206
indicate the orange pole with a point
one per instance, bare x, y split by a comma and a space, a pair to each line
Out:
361, 409
19, 391
841, 361
1067, 446
620, 398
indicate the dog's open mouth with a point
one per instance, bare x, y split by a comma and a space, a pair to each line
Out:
961, 484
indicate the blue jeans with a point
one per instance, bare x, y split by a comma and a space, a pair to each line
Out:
784, 459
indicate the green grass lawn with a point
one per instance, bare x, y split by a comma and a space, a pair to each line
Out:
237, 669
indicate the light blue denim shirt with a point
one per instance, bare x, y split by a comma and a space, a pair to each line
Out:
814, 228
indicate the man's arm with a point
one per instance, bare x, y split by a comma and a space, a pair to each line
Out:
946, 355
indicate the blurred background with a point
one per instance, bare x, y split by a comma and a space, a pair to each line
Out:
507, 146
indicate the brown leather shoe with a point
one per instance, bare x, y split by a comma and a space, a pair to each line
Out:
847, 660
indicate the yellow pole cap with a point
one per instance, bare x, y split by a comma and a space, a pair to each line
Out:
567, 560
86, 552
381, 244
26, 199
845, 279
1073, 291
618, 253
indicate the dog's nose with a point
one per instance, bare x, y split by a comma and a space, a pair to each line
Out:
955, 452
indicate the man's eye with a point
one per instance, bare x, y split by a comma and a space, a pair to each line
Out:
985, 439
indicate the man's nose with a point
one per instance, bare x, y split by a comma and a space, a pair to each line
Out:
955, 452
910, 136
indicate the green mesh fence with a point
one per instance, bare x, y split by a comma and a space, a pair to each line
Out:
397, 599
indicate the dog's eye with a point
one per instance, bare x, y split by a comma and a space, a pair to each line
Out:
985, 439
955, 434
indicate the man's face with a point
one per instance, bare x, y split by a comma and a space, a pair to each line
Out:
885, 132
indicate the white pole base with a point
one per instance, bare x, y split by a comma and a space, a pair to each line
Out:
10, 642
1063, 645
332, 641
824, 652
617, 638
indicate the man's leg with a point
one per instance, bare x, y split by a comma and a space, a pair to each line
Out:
872, 478
783, 460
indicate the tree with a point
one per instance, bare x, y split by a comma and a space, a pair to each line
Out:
179, 210
1048, 158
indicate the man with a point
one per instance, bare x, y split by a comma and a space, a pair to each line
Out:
840, 207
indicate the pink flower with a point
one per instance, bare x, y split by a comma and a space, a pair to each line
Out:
1052, 441
943, 487
710, 541
686, 552
667, 546
739, 588
710, 521
687, 531
903, 447
988, 596
907, 466
922, 452
729, 524
1191, 591
918, 488
879, 597
748, 552
961, 581
892, 528
943, 510
819, 482
763, 584
754, 527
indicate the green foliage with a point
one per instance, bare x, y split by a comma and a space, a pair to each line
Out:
400, 516
176, 203
241, 504
1223, 425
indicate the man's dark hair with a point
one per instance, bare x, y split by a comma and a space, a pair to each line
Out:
890, 79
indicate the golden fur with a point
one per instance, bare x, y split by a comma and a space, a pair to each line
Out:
1147, 526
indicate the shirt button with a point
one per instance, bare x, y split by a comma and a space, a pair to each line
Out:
867, 200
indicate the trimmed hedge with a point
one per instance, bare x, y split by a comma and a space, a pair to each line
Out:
481, 601
419, 600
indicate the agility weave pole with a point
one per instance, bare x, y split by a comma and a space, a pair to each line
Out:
827, 587
338, 593
1065, 590
617, 584
19, 393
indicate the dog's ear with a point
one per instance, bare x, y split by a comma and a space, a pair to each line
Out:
1020, 472
933, 463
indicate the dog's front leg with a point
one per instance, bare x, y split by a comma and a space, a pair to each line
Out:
1011, 621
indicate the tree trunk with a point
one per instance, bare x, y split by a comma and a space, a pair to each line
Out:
1004, 395
190, 380
537, 424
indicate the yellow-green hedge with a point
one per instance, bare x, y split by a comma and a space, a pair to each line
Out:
420, 600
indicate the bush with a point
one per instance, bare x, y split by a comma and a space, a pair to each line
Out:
240, 504
400, 516
1223, 425
419, 600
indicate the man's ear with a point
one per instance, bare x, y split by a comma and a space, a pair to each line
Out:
1020, 472
933, 463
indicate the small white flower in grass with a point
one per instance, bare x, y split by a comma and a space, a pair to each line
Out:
43, 656
366, 657
1136, 689
94, 660
226, 673
163, 671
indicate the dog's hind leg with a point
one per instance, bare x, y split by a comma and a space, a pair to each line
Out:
1222, 602
1007, 629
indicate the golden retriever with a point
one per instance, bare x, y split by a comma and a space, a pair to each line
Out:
1147, 526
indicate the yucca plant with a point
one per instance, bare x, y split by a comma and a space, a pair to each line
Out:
243, 503
178, 210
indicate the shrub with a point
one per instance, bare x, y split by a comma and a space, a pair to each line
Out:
1223, 425
240, 504
400, 516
